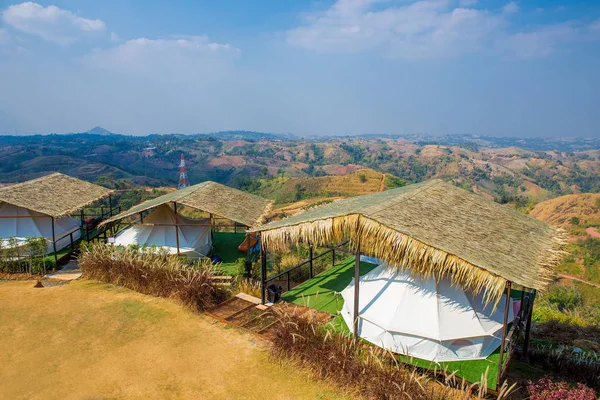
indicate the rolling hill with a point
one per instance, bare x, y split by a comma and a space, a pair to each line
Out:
561, 210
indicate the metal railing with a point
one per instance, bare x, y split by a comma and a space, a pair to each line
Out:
287, 273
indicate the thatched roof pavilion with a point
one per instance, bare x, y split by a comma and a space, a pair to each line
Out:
56, 195
434, 228
39, 206
214, 198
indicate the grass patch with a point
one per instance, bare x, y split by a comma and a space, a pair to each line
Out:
225, 245
89, 340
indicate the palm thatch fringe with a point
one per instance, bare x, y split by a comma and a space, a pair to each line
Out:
404, 252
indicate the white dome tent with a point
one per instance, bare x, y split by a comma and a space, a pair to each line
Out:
21, 223
159, 230
424, 319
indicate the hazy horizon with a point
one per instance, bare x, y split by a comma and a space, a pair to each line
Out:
329, 68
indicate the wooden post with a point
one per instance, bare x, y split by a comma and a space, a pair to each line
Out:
212, 222
110, 205
504, 328
310, 263
528, 325
263, 271
356, 290
54, 244
176, 226
141, 217
248, 262
72, 244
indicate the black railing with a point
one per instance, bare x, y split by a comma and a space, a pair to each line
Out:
287, 273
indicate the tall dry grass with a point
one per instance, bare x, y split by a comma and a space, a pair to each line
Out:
154, 273
367, 371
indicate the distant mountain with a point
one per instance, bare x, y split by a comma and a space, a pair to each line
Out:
533, 143
100, 131
249, 135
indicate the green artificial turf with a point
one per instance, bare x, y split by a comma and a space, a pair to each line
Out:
225, 245
321, 293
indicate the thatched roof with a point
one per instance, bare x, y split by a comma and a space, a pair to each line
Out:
55, 195
434, 228
212, 197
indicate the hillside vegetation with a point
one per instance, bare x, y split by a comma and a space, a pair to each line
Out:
564, 210
362, 181
265, 164
570, 300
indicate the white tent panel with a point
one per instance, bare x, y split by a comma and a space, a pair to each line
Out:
194, 241
424, 318
36, 225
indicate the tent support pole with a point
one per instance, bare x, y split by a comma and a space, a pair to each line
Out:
110, 205
356, 290
176, 226
248, 263
263, 271
54, 245
504, 326
528, 324
142, 217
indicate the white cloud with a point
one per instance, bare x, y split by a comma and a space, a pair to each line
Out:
430, 29
511, 7
185, 55
114, 37
50, 23
422, 29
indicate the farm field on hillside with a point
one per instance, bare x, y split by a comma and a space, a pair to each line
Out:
92, 340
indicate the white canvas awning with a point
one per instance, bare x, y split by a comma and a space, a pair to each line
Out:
26, 223
424, 318
194, 241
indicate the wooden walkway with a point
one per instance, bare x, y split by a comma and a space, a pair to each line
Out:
246, 312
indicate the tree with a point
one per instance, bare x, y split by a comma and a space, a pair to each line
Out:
575, 221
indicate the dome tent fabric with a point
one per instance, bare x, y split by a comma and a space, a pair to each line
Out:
194, 241
423, 318
26, 223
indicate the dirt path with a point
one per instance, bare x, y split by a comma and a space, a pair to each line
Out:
593, 232
382, 183
86, 340
574, 278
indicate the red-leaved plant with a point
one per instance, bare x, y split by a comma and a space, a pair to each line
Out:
546, 389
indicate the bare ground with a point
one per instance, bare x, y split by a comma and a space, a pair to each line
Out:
88, 340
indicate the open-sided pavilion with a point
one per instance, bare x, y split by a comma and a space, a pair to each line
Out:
218, 200
436, 230
43, 207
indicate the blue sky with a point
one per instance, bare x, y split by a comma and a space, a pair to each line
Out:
503, 68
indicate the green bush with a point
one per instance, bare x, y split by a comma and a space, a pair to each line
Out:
565, 298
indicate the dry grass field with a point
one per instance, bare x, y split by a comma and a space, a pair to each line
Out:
88, 340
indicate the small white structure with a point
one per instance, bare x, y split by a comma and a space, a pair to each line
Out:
424, 319
21, 223
158, 229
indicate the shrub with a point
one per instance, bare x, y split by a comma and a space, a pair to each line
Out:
546, 389
581, 367
155, 273
564, 297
